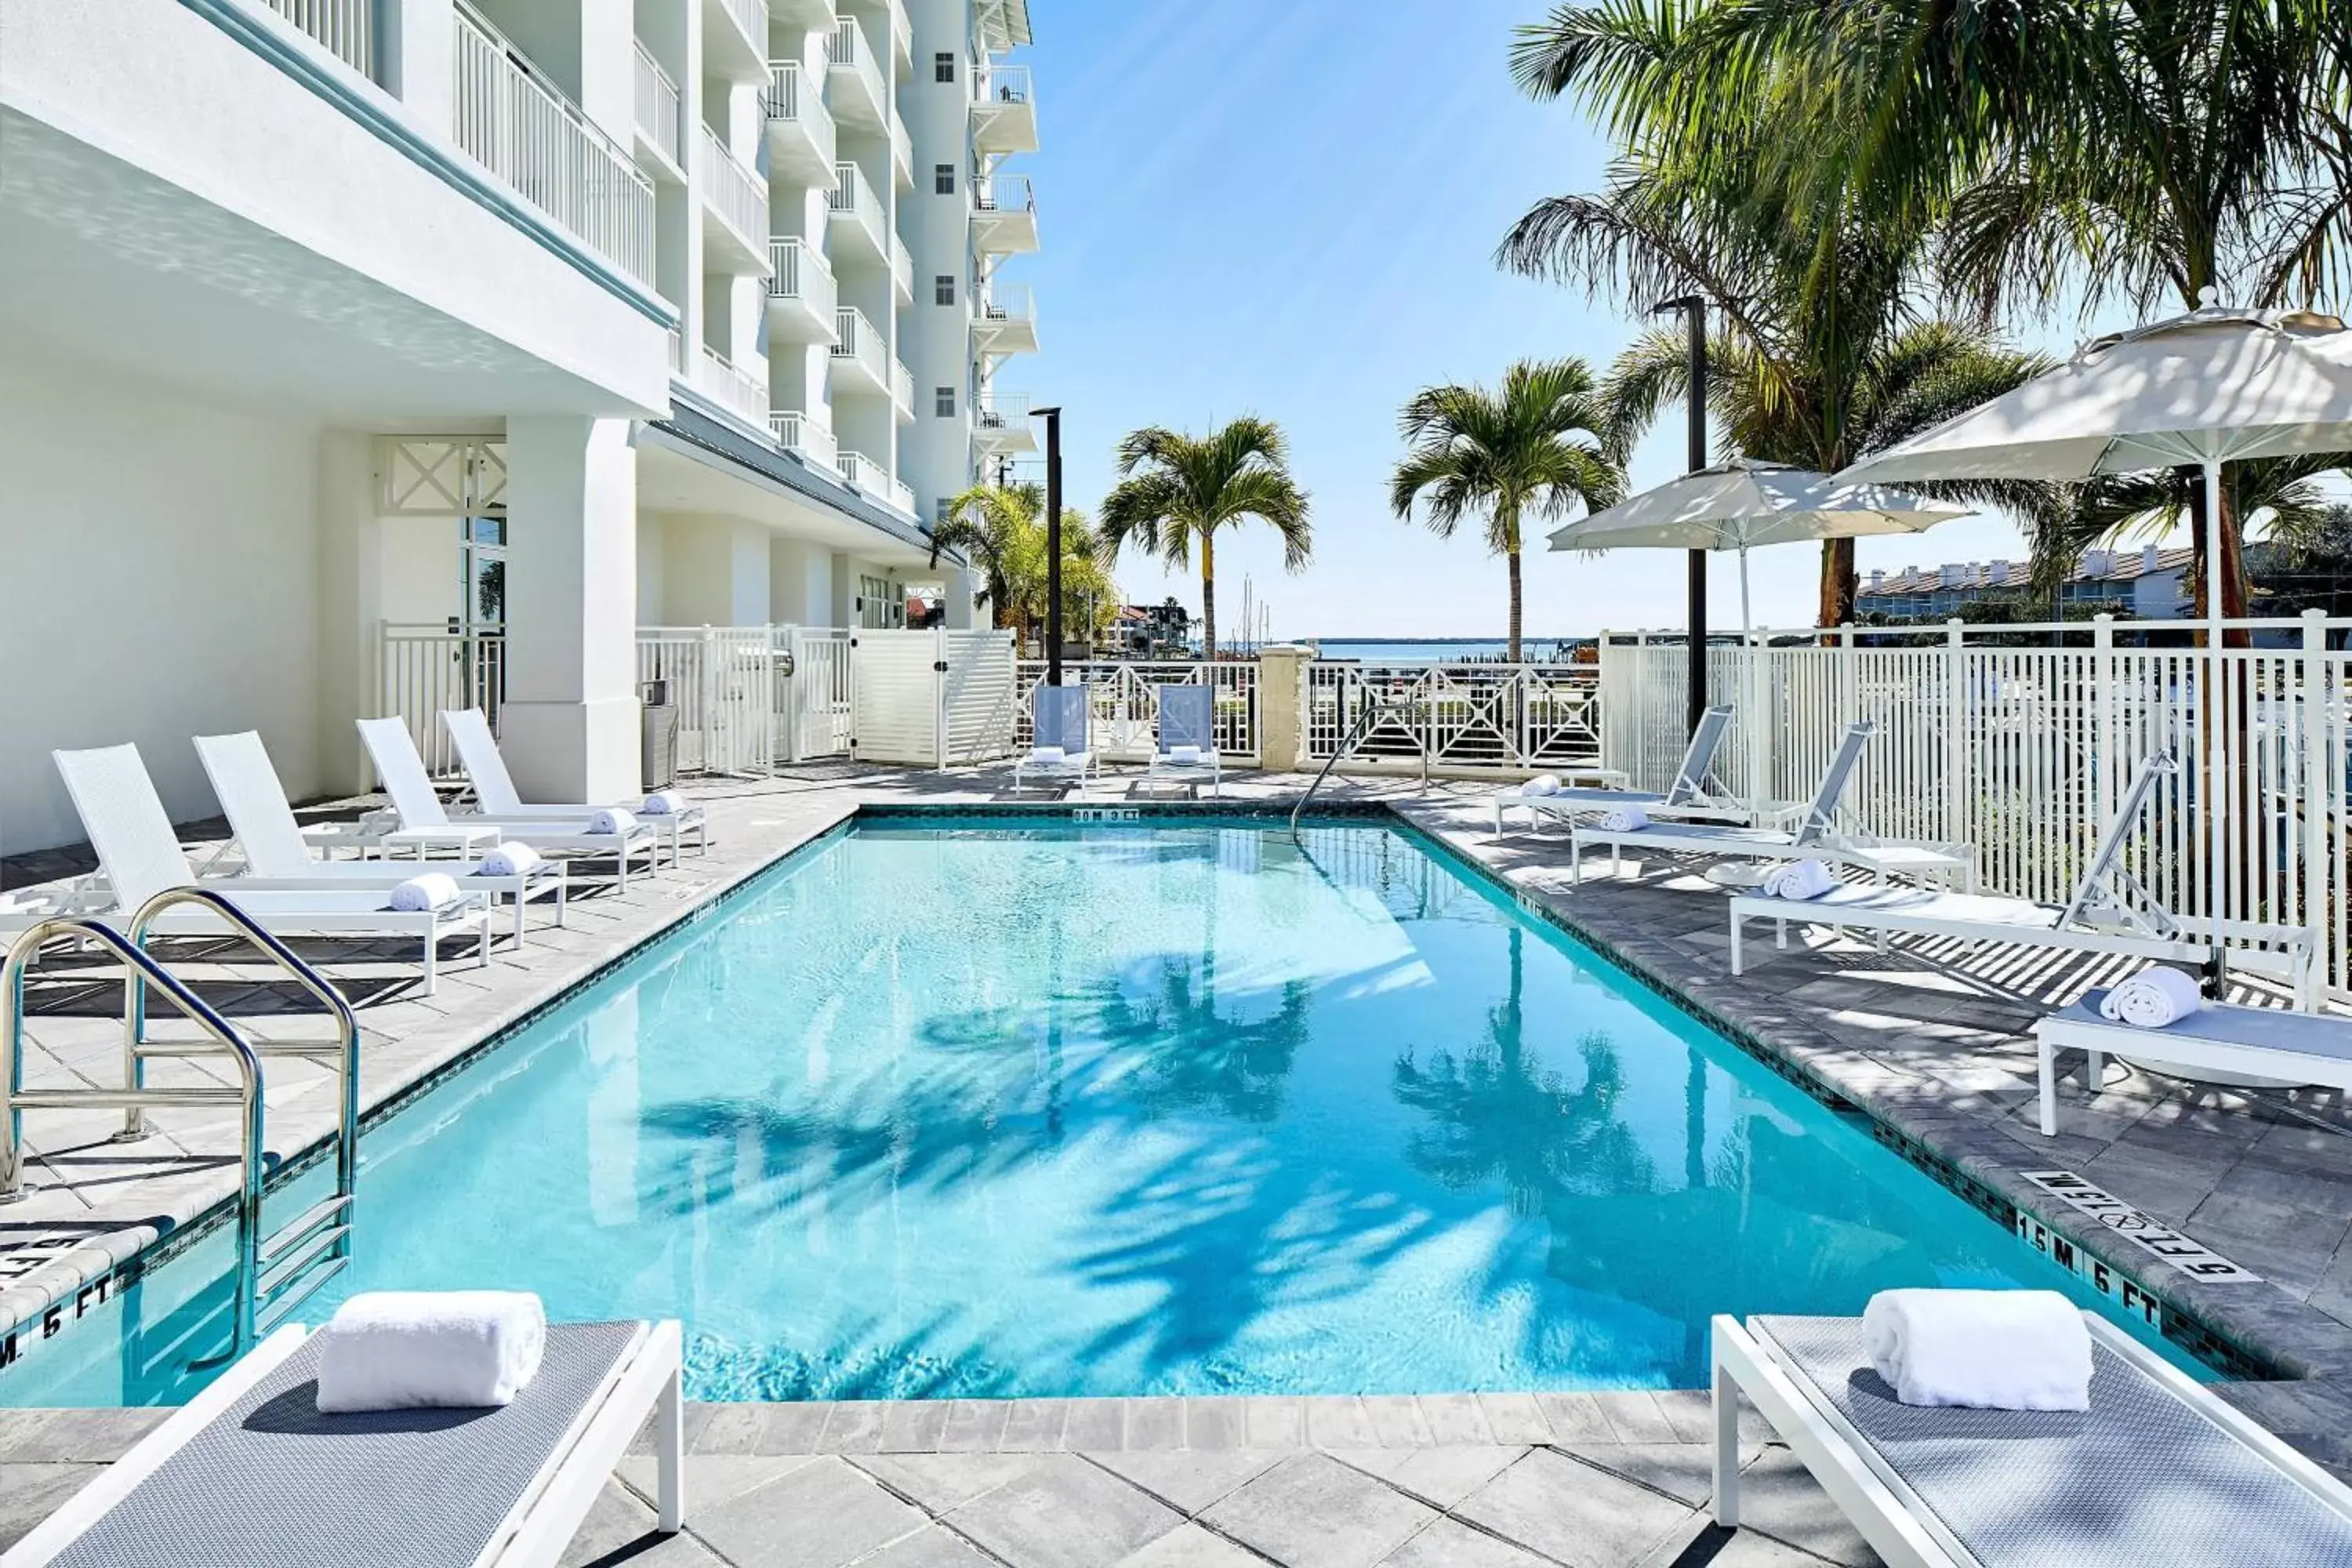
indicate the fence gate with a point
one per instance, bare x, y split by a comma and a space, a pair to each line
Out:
722, 682
933, 699
817, 708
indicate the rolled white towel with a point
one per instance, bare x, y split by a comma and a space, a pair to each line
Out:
429, 891
419, 1350
613, 819
1542, 784
1798, 879
664, 803
2152, 999
1048, 755
1184, 756
1625, 819
509, 860
1989, 1350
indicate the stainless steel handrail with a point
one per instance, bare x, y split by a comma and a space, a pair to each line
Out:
1363, 725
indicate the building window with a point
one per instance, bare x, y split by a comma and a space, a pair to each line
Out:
943, 288
943, 179
943, 67
944, 399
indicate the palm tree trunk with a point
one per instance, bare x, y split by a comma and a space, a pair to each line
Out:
1837, 581
1208, 596
1514, 559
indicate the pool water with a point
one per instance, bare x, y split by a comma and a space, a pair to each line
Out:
943, 1108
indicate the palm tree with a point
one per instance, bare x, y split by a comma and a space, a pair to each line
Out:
999, 529
1531, 447
1176, 491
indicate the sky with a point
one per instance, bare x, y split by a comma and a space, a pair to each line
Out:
1292, 211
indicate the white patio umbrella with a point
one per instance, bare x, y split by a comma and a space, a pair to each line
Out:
1744, 504
2214, 386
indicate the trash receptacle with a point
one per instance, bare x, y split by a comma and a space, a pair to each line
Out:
658, 755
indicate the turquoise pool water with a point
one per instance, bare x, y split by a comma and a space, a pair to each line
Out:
943, 1108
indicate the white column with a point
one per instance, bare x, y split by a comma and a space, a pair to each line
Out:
351, 603
569, 723
960, 587
417, 49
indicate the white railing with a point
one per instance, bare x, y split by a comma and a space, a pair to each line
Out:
902, 150
677, 350
751, 16
902, 270
2024, 751
820, 695
510, 119
1003, 85
422, 669
798, 432
1006, 303
731, 386
1468, 719
852, 196
722, 682
797, 270
850, 53
1123, 704
345, 28
999, 410
902, 31
740, 193
1004, 193
902, 387
661, 112
860, 471
902, 496
857, 340
794, 99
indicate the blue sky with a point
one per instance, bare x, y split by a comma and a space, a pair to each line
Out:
1291, 210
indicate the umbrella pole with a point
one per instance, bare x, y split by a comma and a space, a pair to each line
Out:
1755, 698
2217, 723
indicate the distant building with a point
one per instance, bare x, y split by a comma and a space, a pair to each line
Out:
2150, 583
1142, 630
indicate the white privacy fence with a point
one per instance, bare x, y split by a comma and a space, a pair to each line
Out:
2024, 751
1503, 718
934, 698
1123, 708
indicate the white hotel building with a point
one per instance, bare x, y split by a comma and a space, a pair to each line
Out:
537, 321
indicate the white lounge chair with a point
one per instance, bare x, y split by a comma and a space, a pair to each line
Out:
254, 799
140, 857
1188, 719
2219, 1043
496, 799
426, 824
1688, 798
1815, 834
2159, 1471
1062, 751
250, 1472
2110, 912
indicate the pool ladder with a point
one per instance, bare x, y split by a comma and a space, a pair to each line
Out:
276, 1271
1376, 709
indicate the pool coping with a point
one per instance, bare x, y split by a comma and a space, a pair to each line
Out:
2253, 1331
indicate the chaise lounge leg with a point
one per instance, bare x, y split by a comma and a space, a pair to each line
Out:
1727, 1448
1739, 950
669, 1448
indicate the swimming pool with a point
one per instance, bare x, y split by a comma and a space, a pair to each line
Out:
946, 1106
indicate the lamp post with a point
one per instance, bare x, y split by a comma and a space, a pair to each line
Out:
1692, 310
1053, 417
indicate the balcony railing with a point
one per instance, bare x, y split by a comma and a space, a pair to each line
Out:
902, 387
803, 142
1003, 85
902, 496
741, 195
797, 270
731, 386
849, 55
902, 33
902, 270
510, 119
661, 113
860, 471
994, 410
346, 28
1004, 193
855, 340
677, 352
751, 15
852, 196
798, 432
902, 151
1007, 304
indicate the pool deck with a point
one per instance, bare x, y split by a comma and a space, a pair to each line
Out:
1926, 1040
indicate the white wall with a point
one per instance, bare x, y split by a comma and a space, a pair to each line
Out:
160, 582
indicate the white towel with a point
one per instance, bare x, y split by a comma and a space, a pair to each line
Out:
1047, 754
1542, 784
509, 860
1988, 1350
429, 891
418, 1350
613, 819
665, 803
1798, 879
1625, 819
2152, 999
1184, 756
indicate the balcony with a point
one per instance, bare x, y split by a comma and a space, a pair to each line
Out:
902, 498
507, 116
733, 388
802, 297
902, 153
1007, 323
1003, 115
902, 390
737, 199
735, 39
800, 434
999, 423
854, 88
862, 472
902, 272
800, 129
902, 37
860, 363
860, 232
1003, 214
345, 28
660, 118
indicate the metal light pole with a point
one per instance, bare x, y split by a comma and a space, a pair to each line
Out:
1052, 544
1694, 313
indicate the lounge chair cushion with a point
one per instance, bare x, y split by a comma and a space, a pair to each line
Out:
271, 1483
2140, 1478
